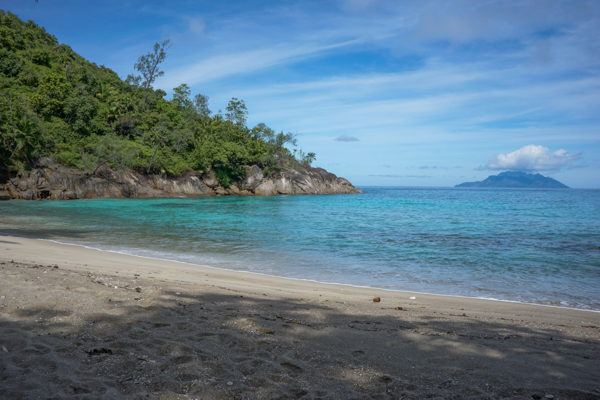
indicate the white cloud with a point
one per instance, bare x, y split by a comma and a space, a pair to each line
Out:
244, 62
533, 158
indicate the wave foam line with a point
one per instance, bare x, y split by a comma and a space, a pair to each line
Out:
316, 281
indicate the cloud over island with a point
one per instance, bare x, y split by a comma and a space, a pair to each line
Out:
532, 158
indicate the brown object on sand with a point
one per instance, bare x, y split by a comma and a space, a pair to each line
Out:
377, 299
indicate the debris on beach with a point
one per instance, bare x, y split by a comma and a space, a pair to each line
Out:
377, 299
412, 298
98, 351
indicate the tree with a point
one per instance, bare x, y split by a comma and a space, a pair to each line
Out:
10, 64
237, 112
263, 132
134, 80
53, 90
181, 96
157, 138
20, 133
201, 105
284, 138
148, 66
309, 158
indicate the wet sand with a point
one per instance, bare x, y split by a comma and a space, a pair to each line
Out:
81, 323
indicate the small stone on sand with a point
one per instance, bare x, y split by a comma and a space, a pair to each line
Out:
376, 299
98, 351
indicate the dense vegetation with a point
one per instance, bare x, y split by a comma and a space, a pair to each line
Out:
55, 103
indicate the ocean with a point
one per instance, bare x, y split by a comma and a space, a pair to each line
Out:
538, 246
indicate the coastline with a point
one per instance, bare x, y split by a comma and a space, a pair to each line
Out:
400, 291
78, 322
50, 180
451, 252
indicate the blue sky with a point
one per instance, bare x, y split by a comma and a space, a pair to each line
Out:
427, 93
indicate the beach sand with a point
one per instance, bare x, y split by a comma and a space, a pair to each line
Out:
82, 323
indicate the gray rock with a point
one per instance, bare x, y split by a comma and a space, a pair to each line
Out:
254, 177
210, 179
49, 180
266, 188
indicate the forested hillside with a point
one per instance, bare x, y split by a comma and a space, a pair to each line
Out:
56, 104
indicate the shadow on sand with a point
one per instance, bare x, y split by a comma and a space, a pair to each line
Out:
215, 346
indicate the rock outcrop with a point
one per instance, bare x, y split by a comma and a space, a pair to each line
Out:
49, 180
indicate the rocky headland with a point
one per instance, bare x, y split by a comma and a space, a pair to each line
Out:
49, 180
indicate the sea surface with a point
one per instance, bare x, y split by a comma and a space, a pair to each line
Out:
540, 246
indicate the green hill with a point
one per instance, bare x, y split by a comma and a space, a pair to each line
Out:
56, 104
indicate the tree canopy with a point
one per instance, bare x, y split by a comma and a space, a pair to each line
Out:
56, 104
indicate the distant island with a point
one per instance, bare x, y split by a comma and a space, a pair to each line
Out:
72, 129
515, 179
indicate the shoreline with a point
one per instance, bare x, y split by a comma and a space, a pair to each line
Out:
401, 291
78, 322
276, 280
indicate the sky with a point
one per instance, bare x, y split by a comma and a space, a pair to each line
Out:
409, 93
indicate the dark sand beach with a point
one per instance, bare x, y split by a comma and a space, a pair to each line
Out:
85, 324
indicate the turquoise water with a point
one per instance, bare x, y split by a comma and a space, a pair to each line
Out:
539, 246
